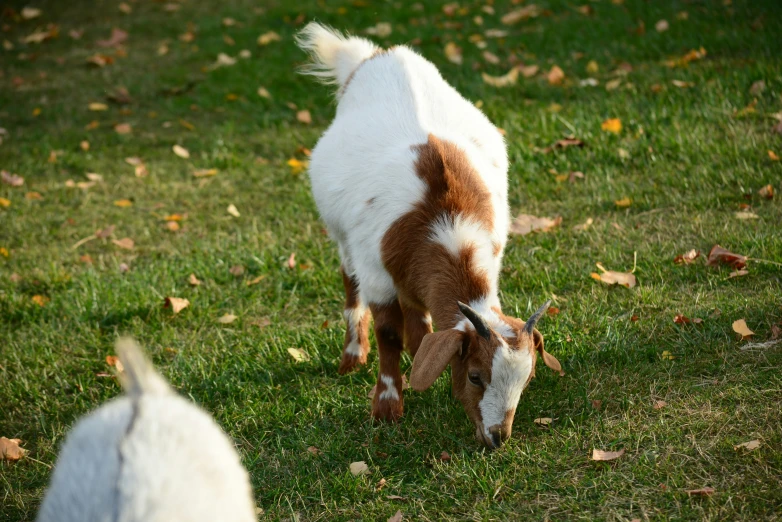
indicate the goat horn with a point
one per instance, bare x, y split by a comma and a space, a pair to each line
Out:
532, 321
477, 321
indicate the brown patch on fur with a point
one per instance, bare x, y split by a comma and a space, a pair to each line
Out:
416, 327
350, 361
378, 52
370, 201
496, 249
426, 275
389, 331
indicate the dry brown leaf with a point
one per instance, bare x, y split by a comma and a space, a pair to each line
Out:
359, 468
14, 180
749, 446
757, 88
394, 497
510, 78
623, 203
28, 13
543, 421
702, 492
118, 37
601, 455
123, 128
233, 210
528, 71
658, 405
263, 322
687, 258
236, 270
744, 215
181, 151
298, 355
113, 360
738, 273
98, 106
291, 262
661, 26
525, 224
552, 311
565, 143
397, 516
682, 84
555, 76
123, 203
223, 60
125, 243
227, 319
610, 277
312, 450
177, 304
585, 225
518, 15
40, 300
491, 57
454, 53
33, 196
597, 404
304, 117
683, 319
719, 255
255, 280
445, 457
613, 125
381, 30
172, 226
267, 38
767, 192
193, 280
5, 203
773, 156
263, 93
10, 449
741, 328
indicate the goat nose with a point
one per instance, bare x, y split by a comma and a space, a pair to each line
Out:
497, 438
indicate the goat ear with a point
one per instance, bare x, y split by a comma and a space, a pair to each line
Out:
549, 359
436, 351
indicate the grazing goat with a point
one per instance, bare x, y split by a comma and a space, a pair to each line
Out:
148, 456
411, 181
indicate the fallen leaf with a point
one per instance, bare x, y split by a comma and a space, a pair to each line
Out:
118, 37
263, 93
738, 273
267, 38
601, 455
555, 76
528, 71
313, 450
97, 106
263, 322
667, 356
113, 360
525, 224
683, 319
661, 26
40, 300
749, 446
358, 468
623, 203
28, 13
4, 252
84, 145
510, 78
702, 492
585, 225
687, 58
592, 67
236, 270
757, 88
397, 516
518, 15
682, 84
746, 215
381, 30
394, 497
181, 151
255, 280
123, 128
773, 156
490, 57
176, 304
767, 192
125, 8
612, 125
597, 404
298, 355
614, 84
543, 421
658, 405
105, 233
172, 226
553, 311
125, 243
304, 117
123, 203
741, 328
687, 258
14, 180
227, 319
453, 53
33, 196
291, 262
5, 203
233, 210
297, 166
76, 34
610, 277
203, 173
719, 255
193, 280
223, 60
10, 449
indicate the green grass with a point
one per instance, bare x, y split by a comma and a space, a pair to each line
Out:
692, 162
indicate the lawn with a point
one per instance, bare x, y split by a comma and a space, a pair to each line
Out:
697, 143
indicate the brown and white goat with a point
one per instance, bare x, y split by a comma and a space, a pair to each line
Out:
411, 181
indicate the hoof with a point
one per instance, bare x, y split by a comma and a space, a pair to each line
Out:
387, 410
350, 362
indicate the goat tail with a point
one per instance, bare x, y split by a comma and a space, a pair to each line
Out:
138, 377
334, 55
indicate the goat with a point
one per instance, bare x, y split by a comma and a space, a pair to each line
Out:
148, 456
411, 182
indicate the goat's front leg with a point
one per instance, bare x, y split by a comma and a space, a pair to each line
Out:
388, 404
417, 324
356, 315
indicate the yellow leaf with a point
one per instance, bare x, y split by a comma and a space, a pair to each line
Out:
202, 173
193, 280
624, 202
233, 210
5, 203
173, 226
606, 455
454, 53
298, 355
592, 67
97, 106
263, 93
772, 156
256, 280
176, 304
36, 111
40, 300
667, 356
10, 449
124, 203
33, 196
304, 117
4, 252
741, 328
227, 319
267, 38
505, 80
174, 217
555, 76
612, 125
749, 446
85, 145
296, 165
181, 151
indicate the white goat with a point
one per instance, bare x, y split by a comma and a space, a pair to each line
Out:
148, 456
411, 181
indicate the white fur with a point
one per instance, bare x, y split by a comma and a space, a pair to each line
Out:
510, 370
147, 456
334, 56
362, 169
390, 391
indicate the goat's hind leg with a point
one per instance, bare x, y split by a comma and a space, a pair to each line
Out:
387, 403
356, 313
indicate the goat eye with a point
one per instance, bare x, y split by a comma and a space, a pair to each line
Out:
475, 379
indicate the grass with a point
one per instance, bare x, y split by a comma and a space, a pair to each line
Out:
692, 158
